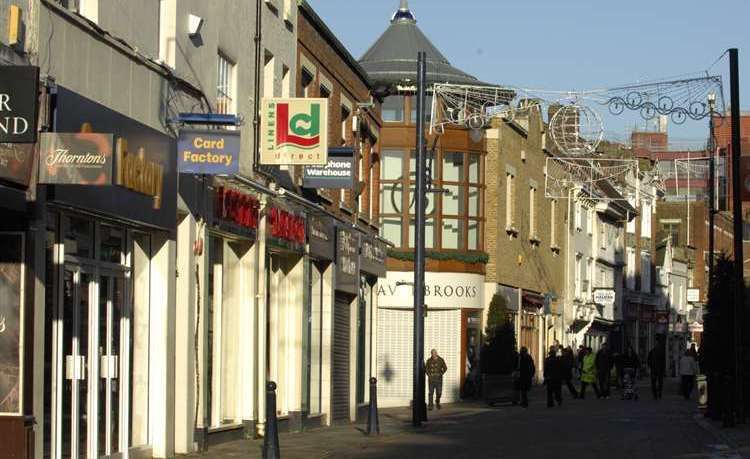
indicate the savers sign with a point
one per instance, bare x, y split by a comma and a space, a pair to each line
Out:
208, 152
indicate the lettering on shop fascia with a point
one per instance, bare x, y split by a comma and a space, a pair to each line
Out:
438, 291
347, 253
138, 174
237, 208
286, 226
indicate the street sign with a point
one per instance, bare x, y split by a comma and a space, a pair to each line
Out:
693, 295
604, 296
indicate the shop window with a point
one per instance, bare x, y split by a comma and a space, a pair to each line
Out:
393, 109
473, 235
79, 238
112, 241
452, 235
429, 233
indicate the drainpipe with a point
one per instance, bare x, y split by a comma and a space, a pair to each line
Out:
567, 298
258, 39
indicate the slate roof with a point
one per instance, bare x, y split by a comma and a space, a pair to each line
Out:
392, 59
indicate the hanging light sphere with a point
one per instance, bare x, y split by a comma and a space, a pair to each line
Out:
576, 130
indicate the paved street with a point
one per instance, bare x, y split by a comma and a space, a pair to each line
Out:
580, 429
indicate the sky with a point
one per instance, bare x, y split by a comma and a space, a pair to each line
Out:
568, 44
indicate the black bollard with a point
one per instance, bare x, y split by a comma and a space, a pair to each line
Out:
373, 422
271, 438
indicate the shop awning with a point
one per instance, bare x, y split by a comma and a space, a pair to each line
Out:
532, 299
577, 326
602, 325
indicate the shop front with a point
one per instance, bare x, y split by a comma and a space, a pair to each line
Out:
285, 308
109, 282
454, 305
316, 329
532, 327
345, 308
372, 256
19, 86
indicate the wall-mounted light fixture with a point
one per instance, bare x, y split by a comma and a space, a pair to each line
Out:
195, 24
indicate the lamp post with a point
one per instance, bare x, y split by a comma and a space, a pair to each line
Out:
419, 410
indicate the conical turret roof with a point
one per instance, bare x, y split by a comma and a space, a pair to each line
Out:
392, 59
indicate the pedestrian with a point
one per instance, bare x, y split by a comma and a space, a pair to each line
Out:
553, 378
657, 368
604, 365
568, 362
526, 371
630, 360
693, 351
435, 368
688, 370
588, 372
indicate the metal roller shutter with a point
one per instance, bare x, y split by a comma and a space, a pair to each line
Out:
341, 353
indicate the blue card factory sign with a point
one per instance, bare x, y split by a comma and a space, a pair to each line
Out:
208, 152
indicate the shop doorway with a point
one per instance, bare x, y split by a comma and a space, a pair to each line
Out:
88, 408
471, 341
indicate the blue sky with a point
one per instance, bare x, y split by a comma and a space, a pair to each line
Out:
567, 44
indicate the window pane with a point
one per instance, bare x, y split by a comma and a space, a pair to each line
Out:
453, 167
453, 200
428, 108
112, 241
429, 204
390, 229
391, 165
473, 235
413, 164
473, 168
473, 201
393, 109
429, 233
452, 233
391, 198
79, 240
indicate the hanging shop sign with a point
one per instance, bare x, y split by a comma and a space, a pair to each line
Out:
442, 290
372, 256
76, 159
19, 102
236, 212
347, 261
17, 162
604, 296
11, 323
294, 131
208, 152
287, 229
693, 295
338, 172
320, 237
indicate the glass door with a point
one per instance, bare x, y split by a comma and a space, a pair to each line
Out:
111, 312
74, 407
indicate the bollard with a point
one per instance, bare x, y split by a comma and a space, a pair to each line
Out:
373, 422
271, 438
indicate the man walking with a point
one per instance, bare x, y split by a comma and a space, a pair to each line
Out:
588, 372
657, 367
603, 370
567, 363
434, 368
553, 378
526, 370
688, 370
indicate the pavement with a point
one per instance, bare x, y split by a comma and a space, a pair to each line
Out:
580, 429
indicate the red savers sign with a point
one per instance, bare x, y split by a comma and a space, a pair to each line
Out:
287, 227
237, 208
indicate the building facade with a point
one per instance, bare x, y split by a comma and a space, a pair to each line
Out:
456, 259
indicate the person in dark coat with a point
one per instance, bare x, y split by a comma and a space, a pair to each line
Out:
657, 367
553, 377
568, 361
604, 363
526, 371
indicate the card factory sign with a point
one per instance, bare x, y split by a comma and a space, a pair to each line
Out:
338, 172
19, 88
442, 290
294, 131
208, 152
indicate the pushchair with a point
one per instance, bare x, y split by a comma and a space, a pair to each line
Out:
629, 391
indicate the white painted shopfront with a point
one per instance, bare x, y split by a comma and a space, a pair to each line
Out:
453, 324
